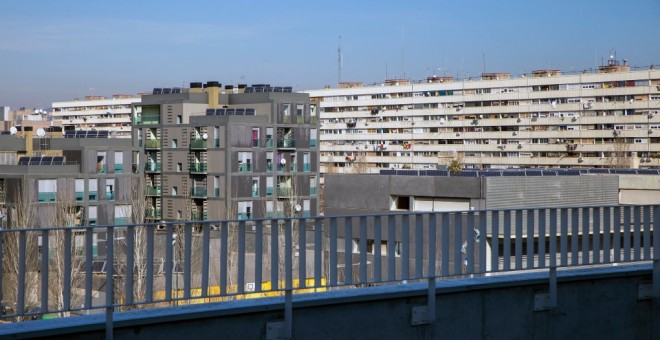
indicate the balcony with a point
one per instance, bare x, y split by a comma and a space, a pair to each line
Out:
152, 144
152, 167
198, 168
153, 191
198, 144
152, 214
286, 143
198, 192
198, 216
284, 191
147, 120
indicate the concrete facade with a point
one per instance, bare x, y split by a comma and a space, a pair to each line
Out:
234, 153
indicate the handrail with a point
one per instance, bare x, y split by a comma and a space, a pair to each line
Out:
205, 261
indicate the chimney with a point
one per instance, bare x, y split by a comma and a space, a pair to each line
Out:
213, 90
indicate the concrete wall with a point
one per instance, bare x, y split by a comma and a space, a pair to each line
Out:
636, 189
593, 303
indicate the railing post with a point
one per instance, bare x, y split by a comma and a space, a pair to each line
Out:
548, 301
424, 315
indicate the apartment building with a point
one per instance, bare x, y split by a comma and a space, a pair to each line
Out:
98, 113
606, 118
51, 179
237, 152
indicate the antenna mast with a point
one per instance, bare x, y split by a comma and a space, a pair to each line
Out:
339, 62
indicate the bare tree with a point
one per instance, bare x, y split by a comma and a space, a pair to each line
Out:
619, 156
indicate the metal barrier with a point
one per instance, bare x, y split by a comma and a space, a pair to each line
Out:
59, 271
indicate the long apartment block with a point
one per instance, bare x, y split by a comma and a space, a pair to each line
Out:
607, 118
98, 113
238, 152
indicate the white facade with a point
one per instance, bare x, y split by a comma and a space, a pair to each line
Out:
605, 119
99, 113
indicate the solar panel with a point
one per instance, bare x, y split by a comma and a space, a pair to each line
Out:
69, 134
103, 134
549, 173
81, 134
220, 112
513, 173
288, 89
35, 161
167, 91
490, 173
388, 172
92, 134
534, 172
600, 171
647, 171
46, 160
268, 89
277, 89
24, 161
158, 91
437, 173
406, 172
249, 112
571, 173
230, 112
176, 90
258, 89
210, 112
239, 112
248, 90
58, 160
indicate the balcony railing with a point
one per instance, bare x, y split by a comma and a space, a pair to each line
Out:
245, 167
152, 214
286, 143
198, 216
198, 192
198, 144
80, 196
47, 196
152, 144
431, 246
119, 168
198, 167
147, 120
284, 191
152, 167
153, 191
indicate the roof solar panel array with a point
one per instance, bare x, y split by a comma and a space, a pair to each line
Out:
231, 112
87, 134
41, 160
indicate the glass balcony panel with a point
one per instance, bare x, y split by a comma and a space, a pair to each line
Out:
198, 144
269, 191
153, 191
47, 196
307, 167
109, 196
198, 192
269, 142
152, 144
198, 167
80, 196
119, 168
93, 195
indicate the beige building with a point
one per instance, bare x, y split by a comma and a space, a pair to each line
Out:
97, 113
607, 118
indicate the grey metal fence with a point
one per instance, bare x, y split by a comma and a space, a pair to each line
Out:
59, 271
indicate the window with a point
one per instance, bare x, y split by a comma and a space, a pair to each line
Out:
255, 186
47, 190
179, 119
307, 165
110, 189
174, 191
93, 185
216, 186
244, 210
179, 167
119, 161
216, 133
179, 215
255, 137
312, 138
245, 162
175, 143
269, 161
101, 166
269, 137
312, 185
80, 189
400, 203
300, 110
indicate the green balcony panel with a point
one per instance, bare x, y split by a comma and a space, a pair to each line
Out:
312, 191
216, 191
255, 193
243, 216
198, 144
199, 216
307, 167
152, 144
269, 142
198, 167
93, 195
152, 213
216, 143
286, 143
122, 220
284, 191
148, 120
313, 143
269, 191
80, 196
119, 168
153, 167
245, 167
300, 119
153, 191
109, 196
198, 192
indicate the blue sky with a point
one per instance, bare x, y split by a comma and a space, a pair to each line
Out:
61, 50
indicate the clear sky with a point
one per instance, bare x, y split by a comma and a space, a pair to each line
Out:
65, 49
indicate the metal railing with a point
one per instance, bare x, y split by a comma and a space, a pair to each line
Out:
53, 271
